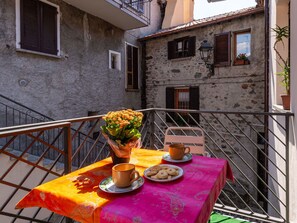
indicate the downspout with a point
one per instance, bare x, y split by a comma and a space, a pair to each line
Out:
266, 90
144, 75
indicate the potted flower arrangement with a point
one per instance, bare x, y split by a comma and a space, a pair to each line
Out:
282, 33
241, 59
122, 134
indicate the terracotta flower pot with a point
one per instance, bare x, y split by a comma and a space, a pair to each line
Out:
286, 101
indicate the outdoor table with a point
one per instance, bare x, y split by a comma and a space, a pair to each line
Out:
188, 199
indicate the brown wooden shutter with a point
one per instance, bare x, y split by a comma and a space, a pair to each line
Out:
171, 50
30, 25
129, 66
169, 102
222, 51
135, 68
192, 46
194, 103
49, 29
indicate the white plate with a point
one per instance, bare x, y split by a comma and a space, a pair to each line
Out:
180, 173
187, 157
108, 186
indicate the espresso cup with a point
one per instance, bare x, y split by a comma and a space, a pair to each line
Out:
124, 174
178, 150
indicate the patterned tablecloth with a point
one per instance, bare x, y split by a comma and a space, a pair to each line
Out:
188, 199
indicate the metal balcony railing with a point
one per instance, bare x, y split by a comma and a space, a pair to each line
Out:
140, 8
261, 189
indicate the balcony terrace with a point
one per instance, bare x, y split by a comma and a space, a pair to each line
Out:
130, 14
32, 154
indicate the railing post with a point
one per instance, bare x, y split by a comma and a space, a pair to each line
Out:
67, 149
67, 157
287, 168
152, 129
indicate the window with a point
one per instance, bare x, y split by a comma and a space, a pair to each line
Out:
183, 47
131, 67
114, 60
242, 47
37, 28
222, 54
182, 98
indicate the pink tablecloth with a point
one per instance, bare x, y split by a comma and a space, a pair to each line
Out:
189, 199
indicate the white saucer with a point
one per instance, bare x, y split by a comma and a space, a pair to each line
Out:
108, 186
187, 157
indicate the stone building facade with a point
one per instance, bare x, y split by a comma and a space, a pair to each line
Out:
228, 88
178, 78
79, 79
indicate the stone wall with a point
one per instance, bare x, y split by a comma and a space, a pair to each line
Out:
79, 81
233, 88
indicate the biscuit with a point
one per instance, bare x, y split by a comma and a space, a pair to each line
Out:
172, 171
162, 174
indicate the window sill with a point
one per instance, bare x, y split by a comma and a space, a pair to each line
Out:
38, 53
181, 58
132, 90
279, 108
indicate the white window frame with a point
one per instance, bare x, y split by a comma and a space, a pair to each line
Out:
118, 64
126, 66
18, 29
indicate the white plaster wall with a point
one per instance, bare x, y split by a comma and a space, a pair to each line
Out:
278, 15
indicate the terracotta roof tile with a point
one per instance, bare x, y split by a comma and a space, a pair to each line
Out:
205, 22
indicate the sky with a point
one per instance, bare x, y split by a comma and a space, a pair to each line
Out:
204, 9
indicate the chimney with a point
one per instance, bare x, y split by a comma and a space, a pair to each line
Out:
178, 12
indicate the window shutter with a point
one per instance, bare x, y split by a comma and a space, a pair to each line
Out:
129, 66
194, 103
192, 46
49, 29
222, 51
135, 68
30, 25
169, 102
171, 50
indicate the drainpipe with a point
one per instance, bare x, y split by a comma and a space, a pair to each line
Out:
144, 75
266, 90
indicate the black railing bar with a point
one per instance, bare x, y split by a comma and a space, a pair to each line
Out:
82, 144
277, 122
84, 160
102, 148
77, 131
91, 149
274, 135
253, 157
259, 149
220, 112
230, 200
30, 109
7, 144
262, 137
45, 143
243, 174
255, 216
287, 123
21, 217
267, 144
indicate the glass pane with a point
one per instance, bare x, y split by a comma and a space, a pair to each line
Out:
243, 42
